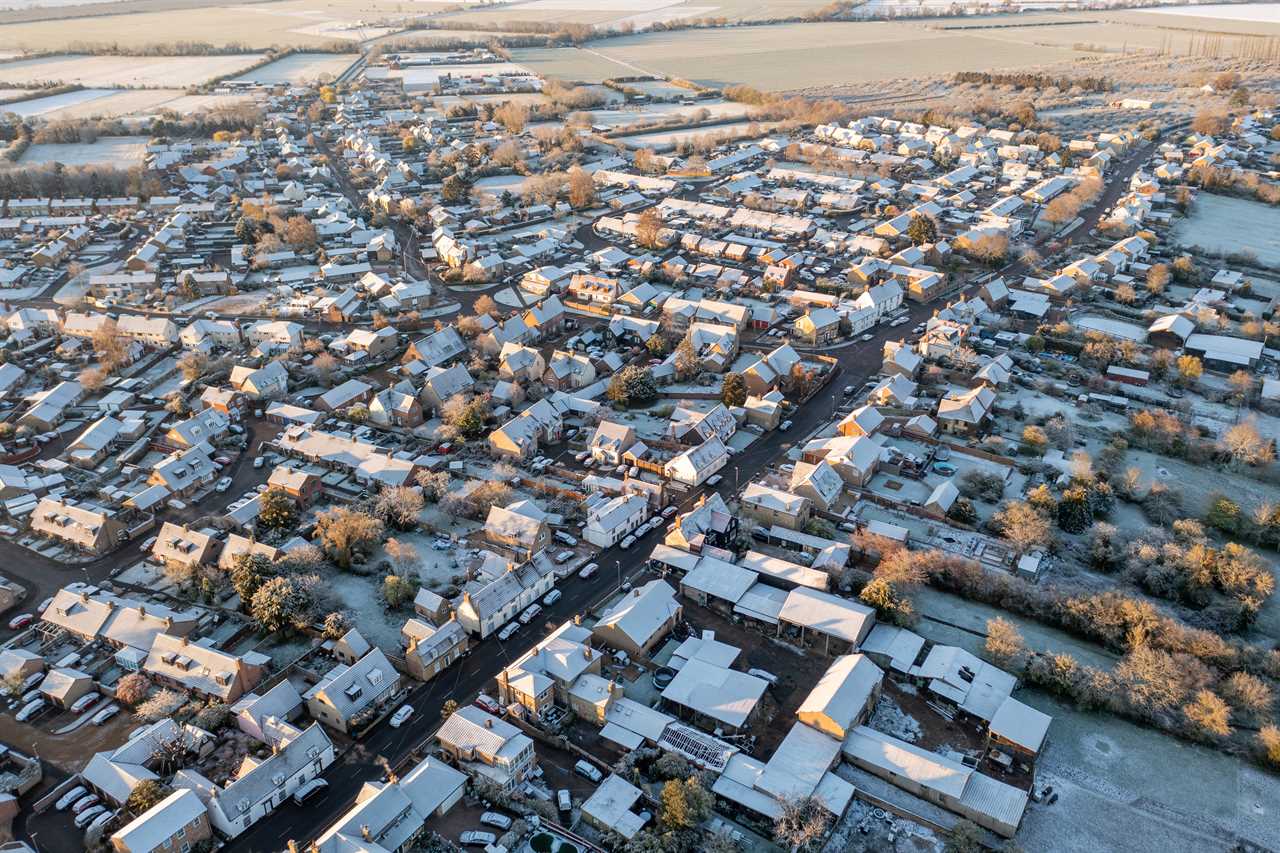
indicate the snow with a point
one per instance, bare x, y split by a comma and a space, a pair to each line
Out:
1114, 328
1225, 224
892, 720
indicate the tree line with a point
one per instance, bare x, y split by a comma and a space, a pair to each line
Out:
1030, 80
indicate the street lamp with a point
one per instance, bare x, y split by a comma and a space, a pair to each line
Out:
618, 563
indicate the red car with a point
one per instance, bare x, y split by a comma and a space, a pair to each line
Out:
488, 703
21, 621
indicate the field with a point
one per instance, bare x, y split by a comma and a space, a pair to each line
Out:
291, 23
109, 150
639, 13
301, 68
1225, 224
113, 103
791, 56
107, 71
663, 139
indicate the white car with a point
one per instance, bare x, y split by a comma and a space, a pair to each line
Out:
531, 612
868, 336
588, 570
497, 820
588, 770
398, 718
223, 485
259, 461
105, 714
505, 633
669, 511
551, 597
84, 702
70, 797
101, 820
29, 710
477, 838
627, 542
83, 819
784, 426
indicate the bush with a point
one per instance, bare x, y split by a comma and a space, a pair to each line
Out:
133, 688
541, 843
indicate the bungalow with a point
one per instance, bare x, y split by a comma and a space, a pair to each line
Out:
640, 619
844, 696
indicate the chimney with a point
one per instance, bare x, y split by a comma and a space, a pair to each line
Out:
142, 610
365, 833
488, 722
293, 846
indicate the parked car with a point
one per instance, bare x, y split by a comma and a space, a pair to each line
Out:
587, 769
70, 797
531, 612
551, 597
563, 557
85, 817
399, 717
868, 336
21, 621
84, 702
505, 633
785, 425
715, 480
101, 820
259, 461
105, 714
497, 820
29, 710
84, 803
485, 702
223, 484
563, 801
477, 838
667, 512
565, 538
627, 542
309, 790
588, 570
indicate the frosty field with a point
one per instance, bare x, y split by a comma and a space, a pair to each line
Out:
1226, 224
109, 150
300, 68
107, 71
111, 103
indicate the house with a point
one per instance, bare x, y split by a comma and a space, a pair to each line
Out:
436, 349
62, 686
709, 523
854, 458
348, 697
837, 624
206, 334
180, 547
1223, 353
92, 530
487, 748
690, 426
520, 363
280, 334
392, 815
268, 717
965, 413
520, 527
610, 521
694, 466
772, 370
844, 697
640, 619
441, 383
1018, 730
610, 441
1170, 331
261, 784
431, 649
775, 506
862, 421
377, 344
344, 396
203, 670
93, 614
568, 371
900, 360
818, 482
300, 485
610, 807
489, 604
176, 824
959, 678
392, 407
818, 326
269, 382
542, 677
156, 332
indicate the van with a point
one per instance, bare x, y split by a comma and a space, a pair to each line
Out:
587, 769
309, 790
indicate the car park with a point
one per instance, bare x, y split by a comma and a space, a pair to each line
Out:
399, 717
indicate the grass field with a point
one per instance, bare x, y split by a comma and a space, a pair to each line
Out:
115, 103
302, 68
640, 13
109, 150
791, 56
108, 71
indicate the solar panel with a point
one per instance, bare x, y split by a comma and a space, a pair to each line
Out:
702, 749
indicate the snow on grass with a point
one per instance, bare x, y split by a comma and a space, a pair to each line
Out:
299, 68
1114, 328
108, 150
107, 71
892, 720
1225, 224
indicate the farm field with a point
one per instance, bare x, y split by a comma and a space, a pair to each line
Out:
1226, 224
425, 76
109, 150
291, 23
791, 56
662, 139
108, 71
114, 103
639, 13
300, 68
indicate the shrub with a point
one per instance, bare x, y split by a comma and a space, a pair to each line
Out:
133, 688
